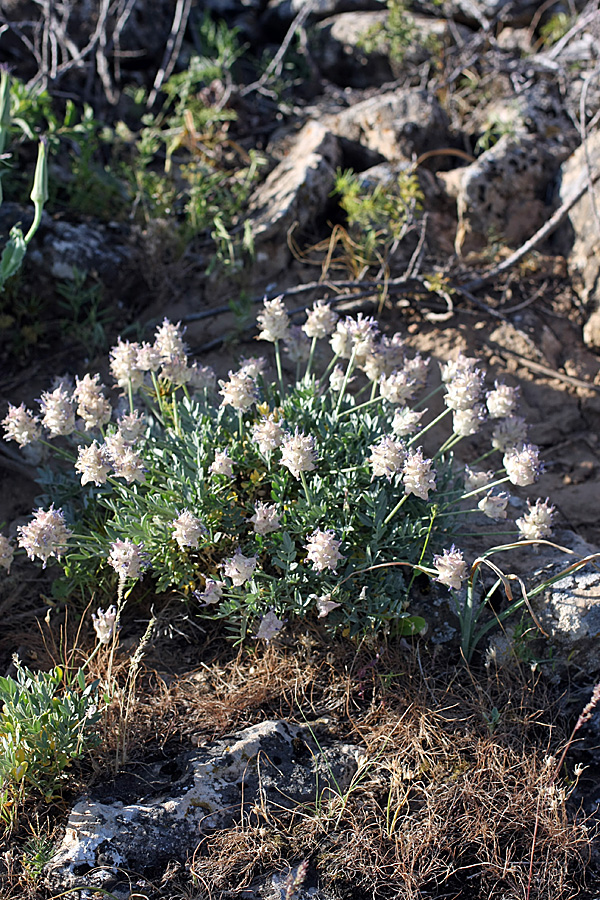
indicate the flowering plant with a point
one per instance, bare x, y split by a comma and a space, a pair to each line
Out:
266, 500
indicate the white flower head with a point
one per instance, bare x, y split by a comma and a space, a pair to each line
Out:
522, 464
336, 379
149, 357
270, 626
212, 593
268, 434
365, 333
124, 365
342, 338
325, 605
104, 623
417, 369
475, 479
451, 567
320, 321
417, 475
58, 412
239, 568
296, 345
253, 366
6, 553
502, 401
509, 433
175, 370
265, 518
406, 420
128, 559
397, 387
202, 378
129, 465
323, 550
187, 530
168, 341
375, 364
45, 536
240, 391
465, 389
387, 458
91, 464
468, 421
536, 524
132, 426
21, 425
298, 453
222, 465
494, 505
92, 405
273, 321
462, 363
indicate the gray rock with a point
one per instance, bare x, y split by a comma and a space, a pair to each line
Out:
396, 125
270, 765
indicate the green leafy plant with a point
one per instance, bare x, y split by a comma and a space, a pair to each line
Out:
86, 316
46, 722
281, 501
392, 37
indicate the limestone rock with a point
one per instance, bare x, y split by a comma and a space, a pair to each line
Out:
396, 125
270, 764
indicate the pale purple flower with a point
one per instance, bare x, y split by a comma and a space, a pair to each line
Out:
270, 626
465, 389
522, 464
536, 524
202, 378
494, 505
387, 458
273, 321
341, 339
475, 479
149, 358
222, 465
104, 623
268, 434
325, 605
365, 332
187, 530
212, 593
502, 401
320, 321
253, 366
91, 464
45, 536
336, 379
115, 445
129, 465
417, 368
240, 391
92, 405
417, 475
509, 433
6, 553
375, 364
58, 412
168, 340
132, 426
265, 518
21, 425
296, 345
175, 370
397, 387
124, 365
453, 367
406, 420
127, 559
239, 568
451, 568
298, 453
393, 351
323, 550
468, 421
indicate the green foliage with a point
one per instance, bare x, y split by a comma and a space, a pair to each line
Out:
36, 853
394, 37
497, 125
86, 317
46, 722
555, 28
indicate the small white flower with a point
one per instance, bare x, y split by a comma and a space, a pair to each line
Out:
273, 321
509, 433
47, 535
365, 332
104, 623
417, 368
21, 425
124, 365
375, 365
265, 518
222, 465
129, 465
93, 407
494, 505
270, 626
336, 379
202, 378
320, 321
91, 464
465, 389
522, 464
253, 366
187, 530
132, 426
387, 458
298, 453
212, 593
168, 341
461, 364
127, 559
325, 605
418, 477
451, 567
240, 391
58, 412
149, 358
175, 370
475, 480
406, 420
341, 339
468, 421
397, 387
502, 401
323, 550
536, 524
268, 434
6, 553
296, 345
239, 568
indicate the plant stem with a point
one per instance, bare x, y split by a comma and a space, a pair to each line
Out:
279, 371
306, 490
398, 506
424, 430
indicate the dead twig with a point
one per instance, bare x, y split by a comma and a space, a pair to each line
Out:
180, 20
